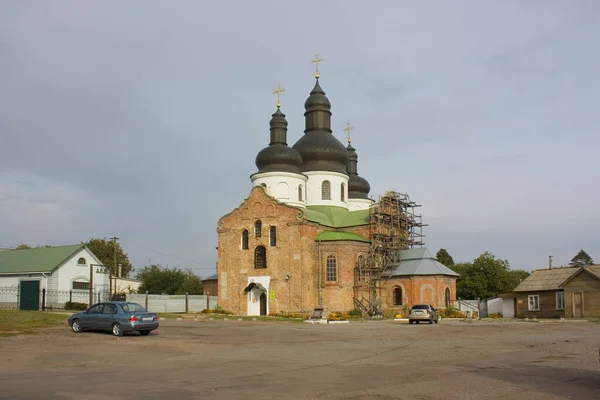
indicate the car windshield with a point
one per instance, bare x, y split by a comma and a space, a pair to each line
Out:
132, 307
421, 307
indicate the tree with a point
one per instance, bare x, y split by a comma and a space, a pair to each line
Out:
157, 279
444, 257
24, 246
485, 277
582, 259
104, 249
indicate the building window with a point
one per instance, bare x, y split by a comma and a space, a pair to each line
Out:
533, 302
258, 228
560, 300
81, 286
343, 195
326, 190
300, 193
263, 185
245, 239
260, 257
331, 269
447, 297
81, 261
273, 236
397, 296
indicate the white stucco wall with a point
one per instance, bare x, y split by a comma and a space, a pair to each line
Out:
314, 185
359, 204
123, 285
71, 272
283, 186
254, 306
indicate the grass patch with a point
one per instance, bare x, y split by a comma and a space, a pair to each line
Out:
14, 322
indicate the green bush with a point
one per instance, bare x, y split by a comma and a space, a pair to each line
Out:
70, 305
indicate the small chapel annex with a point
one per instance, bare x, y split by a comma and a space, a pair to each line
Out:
297, 241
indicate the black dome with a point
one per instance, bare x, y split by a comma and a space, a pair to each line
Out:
278, 157
319, 149
358, 187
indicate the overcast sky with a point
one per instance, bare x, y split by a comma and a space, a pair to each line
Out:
142, 119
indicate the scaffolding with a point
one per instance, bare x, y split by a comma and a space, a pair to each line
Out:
394, 226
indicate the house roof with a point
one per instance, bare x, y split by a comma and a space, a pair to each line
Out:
593, 270
546, 279
420, 261
37, 260
336, 217
211, 278
339, 236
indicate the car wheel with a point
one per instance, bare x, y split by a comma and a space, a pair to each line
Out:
431, 320
437, 319
76, 326
144, 333
417, 322
410, 322
116, 330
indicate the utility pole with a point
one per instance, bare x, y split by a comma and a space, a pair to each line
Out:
550, 262
114, 268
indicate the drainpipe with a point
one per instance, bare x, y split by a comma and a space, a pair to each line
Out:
319, 279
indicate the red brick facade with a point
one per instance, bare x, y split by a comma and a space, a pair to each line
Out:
293, 267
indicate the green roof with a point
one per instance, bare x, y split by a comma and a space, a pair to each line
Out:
420, 261
336, 236
336, 217
40, 259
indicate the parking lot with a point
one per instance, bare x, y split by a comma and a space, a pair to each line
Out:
283, 360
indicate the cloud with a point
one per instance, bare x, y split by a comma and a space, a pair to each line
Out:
143, 120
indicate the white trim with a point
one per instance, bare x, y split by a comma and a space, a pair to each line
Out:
529, 298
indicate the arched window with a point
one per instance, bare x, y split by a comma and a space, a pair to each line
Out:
397, 296
263, 185
447, 297
258, 228
331, 269
343, 195
81, 261
361, 267
273, 236
300, 193
245, 239
260, 257
326, 190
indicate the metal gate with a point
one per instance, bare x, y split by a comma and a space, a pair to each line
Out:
29, 295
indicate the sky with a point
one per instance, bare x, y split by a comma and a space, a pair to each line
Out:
142, 120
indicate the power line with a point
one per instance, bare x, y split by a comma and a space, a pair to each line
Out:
173, 256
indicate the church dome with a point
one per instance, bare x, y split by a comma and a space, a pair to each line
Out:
358, 187
319, 149
278, 157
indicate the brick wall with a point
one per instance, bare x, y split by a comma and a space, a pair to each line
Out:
420, 290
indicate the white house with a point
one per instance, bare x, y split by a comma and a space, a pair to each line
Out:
63, 271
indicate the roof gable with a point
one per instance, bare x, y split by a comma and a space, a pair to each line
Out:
546, 279
420, 261
40, 259
593, 270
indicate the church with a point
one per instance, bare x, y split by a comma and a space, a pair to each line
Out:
302, 238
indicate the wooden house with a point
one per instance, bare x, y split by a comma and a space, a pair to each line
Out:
582, 293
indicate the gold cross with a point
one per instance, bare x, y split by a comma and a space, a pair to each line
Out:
316, 61
348, 128
278, 92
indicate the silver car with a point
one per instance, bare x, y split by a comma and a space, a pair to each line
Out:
423, 312
118, 317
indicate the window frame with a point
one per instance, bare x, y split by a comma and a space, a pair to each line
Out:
331, 269
343, 193
447, 295
85, 284
560, 295
395, 296
537, 301
257, 228
273, 236
245, 239
260, 257
81, 263
326, 190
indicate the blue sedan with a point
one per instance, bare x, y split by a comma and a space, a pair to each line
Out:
118, 317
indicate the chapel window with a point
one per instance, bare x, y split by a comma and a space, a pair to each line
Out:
258, 228
273, 236
260, 257
245, 239
343, 195
397, 296
81, 261
326, 190
300, 193
447, 297
331, 269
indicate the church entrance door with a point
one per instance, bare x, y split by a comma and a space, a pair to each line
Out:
263, 303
